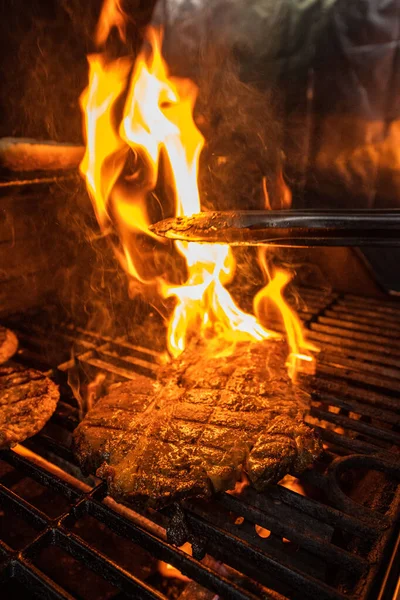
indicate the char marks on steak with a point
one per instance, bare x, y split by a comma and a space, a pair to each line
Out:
27, 400
194, 431
8, 344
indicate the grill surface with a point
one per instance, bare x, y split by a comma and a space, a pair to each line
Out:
335, 543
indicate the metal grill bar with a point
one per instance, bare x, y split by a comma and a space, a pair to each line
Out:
337, 440
99, 563
34, 579
356, 389
285, 528
347, 422
242, 555
185, 563
308, 506
355, 335
335, 351
360, 408
56, 534
359, 377
367, 396
349, 343
21, 507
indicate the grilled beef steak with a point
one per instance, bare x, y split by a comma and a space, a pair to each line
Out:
8, 344
27, 401
195, 430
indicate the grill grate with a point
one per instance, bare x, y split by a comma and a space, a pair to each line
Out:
333, 543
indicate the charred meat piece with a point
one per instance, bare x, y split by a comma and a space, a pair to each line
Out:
27, 401
194, 431
8, 344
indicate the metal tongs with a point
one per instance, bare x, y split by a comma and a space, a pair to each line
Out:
294, 228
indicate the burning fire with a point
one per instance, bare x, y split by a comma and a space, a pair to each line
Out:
168, 570
134, 110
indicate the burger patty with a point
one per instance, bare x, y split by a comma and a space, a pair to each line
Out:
27, 400
199, 427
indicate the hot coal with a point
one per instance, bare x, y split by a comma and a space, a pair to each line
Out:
199, 427
27, 400
8, 344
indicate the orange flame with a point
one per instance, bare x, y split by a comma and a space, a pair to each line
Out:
168, 570
156, 116
111, 16
100, 164
299, 346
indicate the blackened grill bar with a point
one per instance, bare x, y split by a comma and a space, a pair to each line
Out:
330, 535
55, 534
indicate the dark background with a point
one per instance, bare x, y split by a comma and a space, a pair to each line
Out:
328, 71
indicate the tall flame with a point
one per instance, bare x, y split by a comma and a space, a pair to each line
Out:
111, 16
298, 345
156, 116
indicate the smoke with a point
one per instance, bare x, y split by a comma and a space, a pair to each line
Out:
243, 139
39, 85
43, 65
239, 120
93, 289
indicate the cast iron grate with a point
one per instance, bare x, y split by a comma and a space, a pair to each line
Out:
336, 542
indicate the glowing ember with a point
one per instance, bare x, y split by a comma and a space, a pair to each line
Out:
168, 570
294, 484
135, 110
262, 532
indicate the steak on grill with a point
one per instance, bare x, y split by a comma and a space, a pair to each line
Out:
194, 431
8, 344
27, 401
